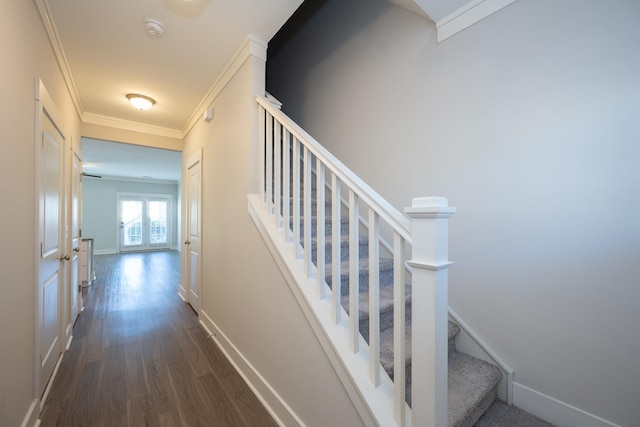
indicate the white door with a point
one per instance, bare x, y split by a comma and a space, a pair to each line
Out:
76, 192
194, 231
51, 280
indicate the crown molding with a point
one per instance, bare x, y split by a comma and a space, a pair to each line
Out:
58, 51
468, 15
252, 46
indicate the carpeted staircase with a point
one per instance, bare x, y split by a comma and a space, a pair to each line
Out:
472, 382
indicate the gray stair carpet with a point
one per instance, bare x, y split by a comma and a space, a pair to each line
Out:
500, 414
472, 382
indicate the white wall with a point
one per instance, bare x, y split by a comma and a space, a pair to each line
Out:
100, 207
24, 54
244, 297
528, 123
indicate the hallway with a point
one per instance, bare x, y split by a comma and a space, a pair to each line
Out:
140, 358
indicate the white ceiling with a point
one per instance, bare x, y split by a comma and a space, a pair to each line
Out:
105, 53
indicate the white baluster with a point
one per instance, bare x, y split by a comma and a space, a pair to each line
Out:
286, 186
307, 212
374, 297
296, 197
354, 272
269, 155
320, 233
429, 310
399, 319
277, 172
262, 157
336, 249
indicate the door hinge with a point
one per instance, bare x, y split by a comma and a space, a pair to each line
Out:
41, 250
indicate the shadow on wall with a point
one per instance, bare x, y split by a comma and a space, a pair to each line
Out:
353, 17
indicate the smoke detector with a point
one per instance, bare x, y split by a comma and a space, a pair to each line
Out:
154, 27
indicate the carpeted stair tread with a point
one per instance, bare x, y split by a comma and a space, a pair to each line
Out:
386, 269
314, 206
328, 226
363, 243
386, 345
386, 292
500, 414
472, 388
386, 312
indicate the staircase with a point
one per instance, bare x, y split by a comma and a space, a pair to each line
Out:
472, 382
306, 204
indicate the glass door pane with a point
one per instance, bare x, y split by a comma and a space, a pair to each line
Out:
157, 210
145, 221
131, 222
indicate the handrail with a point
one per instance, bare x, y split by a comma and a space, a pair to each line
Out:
400, 223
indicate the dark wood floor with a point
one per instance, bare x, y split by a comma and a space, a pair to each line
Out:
140, 358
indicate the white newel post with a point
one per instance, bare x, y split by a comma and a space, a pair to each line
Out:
430, 263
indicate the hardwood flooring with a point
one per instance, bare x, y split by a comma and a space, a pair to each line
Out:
140, 358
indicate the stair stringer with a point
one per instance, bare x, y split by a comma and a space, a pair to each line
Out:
374, 404
469, 342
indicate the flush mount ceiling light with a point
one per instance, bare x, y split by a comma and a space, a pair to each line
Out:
140, 102
154, 27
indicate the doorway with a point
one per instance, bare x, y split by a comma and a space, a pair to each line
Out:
144, 222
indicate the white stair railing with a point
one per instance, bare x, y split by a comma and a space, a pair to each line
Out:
291, 164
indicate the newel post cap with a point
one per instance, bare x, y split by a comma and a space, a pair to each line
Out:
431, 202
428, 206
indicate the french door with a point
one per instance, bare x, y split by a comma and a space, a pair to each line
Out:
144, 222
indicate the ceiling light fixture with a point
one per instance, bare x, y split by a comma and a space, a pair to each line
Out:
140, 102
154, 27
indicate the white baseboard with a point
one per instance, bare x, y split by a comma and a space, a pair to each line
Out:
47, 389
182, 293
271, 400
555, 411
66, 348
31, 418
105, 251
